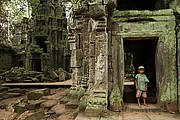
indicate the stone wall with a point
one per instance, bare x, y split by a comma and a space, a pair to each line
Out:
97, 45
6, 58
89, 59
47, 37
178, 50
20, 33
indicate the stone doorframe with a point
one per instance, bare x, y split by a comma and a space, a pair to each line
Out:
147, 37
162, 59
160, 24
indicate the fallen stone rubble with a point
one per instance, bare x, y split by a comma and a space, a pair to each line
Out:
6, 92
40, 104
19, 74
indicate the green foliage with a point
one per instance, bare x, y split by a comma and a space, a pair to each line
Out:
17, 9
11, 12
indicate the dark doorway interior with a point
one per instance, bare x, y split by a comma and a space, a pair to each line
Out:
136, 5
21, 64
141, 4
36, 65
143, 51
41, 42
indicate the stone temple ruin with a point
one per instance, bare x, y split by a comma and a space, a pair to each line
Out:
43, 38
105, 34
106, 43
47, 43
39, 44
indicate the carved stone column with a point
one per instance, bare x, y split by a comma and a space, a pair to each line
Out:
98, 72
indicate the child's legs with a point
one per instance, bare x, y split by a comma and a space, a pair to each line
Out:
138, 100
144, 95
138, 95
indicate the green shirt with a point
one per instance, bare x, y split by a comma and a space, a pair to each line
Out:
141, 81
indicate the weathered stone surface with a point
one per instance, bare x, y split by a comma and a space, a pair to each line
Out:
35, 116
49, 104
64, 100
72, 114
48, 37
53, 74
20, 108
93, 112
36, 94
115, 99
136, 117
72, 104
76, 58
58, 109
17, 90
163, 116
3, 89
61, 74
13, 94
9, 95
34, 104
133, 107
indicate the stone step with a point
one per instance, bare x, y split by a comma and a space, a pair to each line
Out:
3, 89
17, 90
99, 93
9, 95
13, 94
66, 83
72, 105
133, 107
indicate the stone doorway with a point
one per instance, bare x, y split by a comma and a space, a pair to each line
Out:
36, 64
139, 51
41, 41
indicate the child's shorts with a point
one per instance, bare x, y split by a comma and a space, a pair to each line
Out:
139, 93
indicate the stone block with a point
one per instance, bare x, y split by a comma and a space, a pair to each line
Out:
36, 94
53, 75
93, 112
92, 49
115, 101
83, 117
28, 81
16, 79
35, 116
72, 105
10, 95
61, 74
20, 108
17, 90
76, 57
34, 104
58, 109
2, 95
64, 100
3, 89
72, 46
136, 117
49, 104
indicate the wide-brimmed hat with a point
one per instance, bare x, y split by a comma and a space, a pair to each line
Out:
141, 67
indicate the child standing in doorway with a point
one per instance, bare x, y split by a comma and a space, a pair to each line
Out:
141, 85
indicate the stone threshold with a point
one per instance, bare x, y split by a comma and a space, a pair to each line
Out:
66, 83
133, 107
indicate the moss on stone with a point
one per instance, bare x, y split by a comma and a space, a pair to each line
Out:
115, 99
